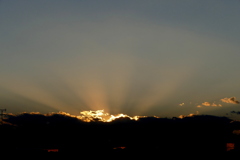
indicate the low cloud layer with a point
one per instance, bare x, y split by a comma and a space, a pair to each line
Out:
230, 100
85, 116
209, 104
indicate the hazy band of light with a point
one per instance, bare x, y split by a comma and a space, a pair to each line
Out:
117, 63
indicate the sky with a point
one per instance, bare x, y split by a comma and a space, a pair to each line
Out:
138, 57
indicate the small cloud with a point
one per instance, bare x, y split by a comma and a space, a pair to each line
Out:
230, 100
183, 116
190, 115
182, 104
214, 105
209, 104
206, 104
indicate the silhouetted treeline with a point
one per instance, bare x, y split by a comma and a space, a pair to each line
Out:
195, 135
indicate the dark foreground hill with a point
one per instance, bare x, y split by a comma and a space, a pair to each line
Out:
196, 135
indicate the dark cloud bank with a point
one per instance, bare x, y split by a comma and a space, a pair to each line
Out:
196, 135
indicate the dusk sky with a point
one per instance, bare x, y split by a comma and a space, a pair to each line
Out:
138, 57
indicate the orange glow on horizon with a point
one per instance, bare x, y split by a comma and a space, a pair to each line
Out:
119, 148
230, 146
89, 116
52, 150
99, 115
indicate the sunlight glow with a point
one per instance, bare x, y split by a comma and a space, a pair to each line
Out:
89, 116
99, 115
